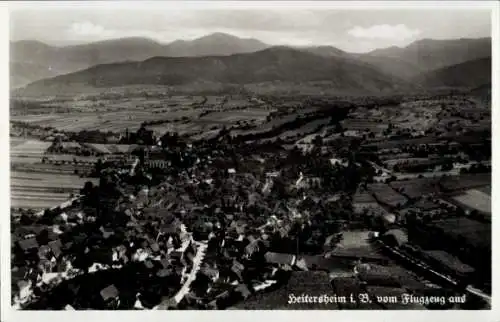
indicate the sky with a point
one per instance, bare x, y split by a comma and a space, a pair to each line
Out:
352, 30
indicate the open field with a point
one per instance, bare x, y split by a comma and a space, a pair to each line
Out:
392, 144
485, 189
37, 202
109, 148
40, 190
309, 128
181, 128
274, 123
415, 188
363, 124
27, 150
467, 181
28, 147
237, 115
475, 199
354, 239
29, 179
385, 194
118, 114
15, 141
52, 168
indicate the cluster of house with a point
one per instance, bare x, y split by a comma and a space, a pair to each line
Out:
213, 222
45, 254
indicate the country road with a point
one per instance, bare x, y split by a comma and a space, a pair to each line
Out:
134, 165
200, 254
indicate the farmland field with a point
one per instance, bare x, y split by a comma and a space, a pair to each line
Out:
109, 148
475, 199
29, 179
486, 190
181, 128
468, 181
117, 115
237, 115
384, 193
305, 129
415, 188
29, 147
40, 190
27, 151
15, 141
51, 168
362, 125
354, 239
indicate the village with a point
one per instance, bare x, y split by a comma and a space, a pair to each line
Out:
333, 198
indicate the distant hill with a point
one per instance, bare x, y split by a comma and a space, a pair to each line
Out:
272, 64
471, 74
483, 91
62, 60
426, 55
217, 44
32, 61
24, 73
326, 51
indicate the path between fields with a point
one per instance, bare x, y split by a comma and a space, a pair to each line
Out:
134, 165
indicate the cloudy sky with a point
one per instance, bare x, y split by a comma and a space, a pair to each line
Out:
348, 29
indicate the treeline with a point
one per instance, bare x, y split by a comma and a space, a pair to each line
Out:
335, 115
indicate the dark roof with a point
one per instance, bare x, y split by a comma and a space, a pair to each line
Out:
109, 292
426, 205
243, 289
163, 272
149, 264
43, 251
155, 247
163, 213
278, 258
55, 246
399, 236
27, 244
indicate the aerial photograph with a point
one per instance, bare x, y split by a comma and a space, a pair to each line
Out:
250, 159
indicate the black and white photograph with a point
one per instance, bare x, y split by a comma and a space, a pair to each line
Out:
228, 157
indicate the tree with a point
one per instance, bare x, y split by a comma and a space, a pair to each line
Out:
318, 140
43, 237
26, 220
88, 187
447, 166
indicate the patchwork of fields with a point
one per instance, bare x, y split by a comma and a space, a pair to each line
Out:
38, 185
129, 113
39, 190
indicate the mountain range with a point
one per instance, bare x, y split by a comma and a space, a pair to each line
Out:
224, 58
53, 60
